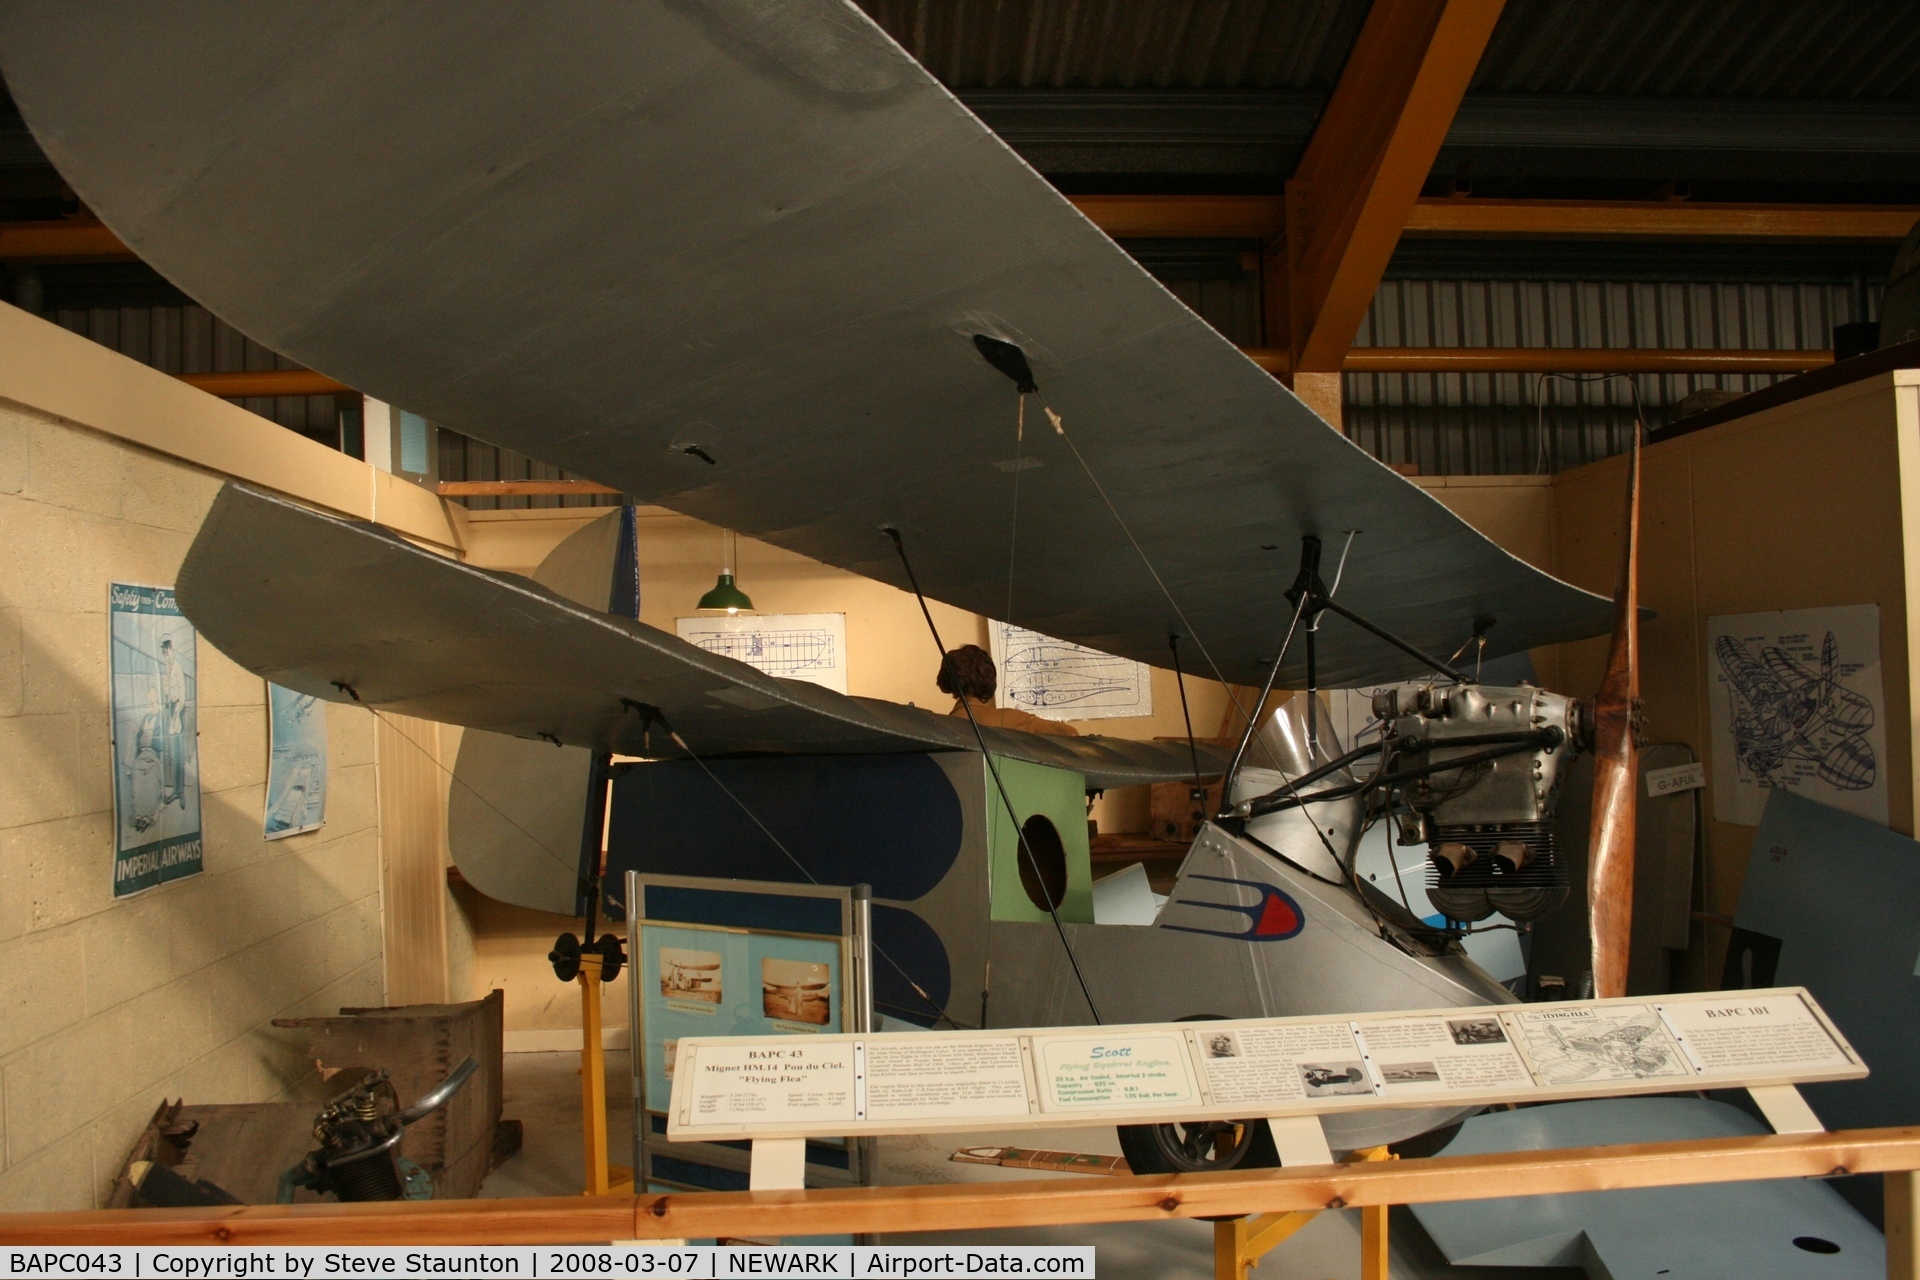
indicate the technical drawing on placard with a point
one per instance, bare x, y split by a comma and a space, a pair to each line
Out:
1063, 681
1796, 708
796, 646
1608, 1044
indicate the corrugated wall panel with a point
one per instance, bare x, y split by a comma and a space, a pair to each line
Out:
1467, 424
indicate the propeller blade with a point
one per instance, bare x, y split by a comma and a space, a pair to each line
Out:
1615, 802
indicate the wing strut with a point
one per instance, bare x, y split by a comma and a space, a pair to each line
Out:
1615, 771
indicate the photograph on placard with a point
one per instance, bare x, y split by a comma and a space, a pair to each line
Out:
1334, 1079
796, 990
1476, 1031
691, 976
1444, 1055
1222, 1044
1393, 1073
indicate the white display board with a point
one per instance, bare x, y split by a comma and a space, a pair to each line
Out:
1059, 680
794, 646
1271, 1067
1797, 706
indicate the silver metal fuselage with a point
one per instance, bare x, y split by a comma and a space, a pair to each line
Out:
1244, 935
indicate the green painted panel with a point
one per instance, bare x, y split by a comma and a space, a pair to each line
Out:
1059, 795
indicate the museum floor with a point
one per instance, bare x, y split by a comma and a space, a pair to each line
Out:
543, 1093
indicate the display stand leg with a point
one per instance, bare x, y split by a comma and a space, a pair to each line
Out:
1300, 1140
779, 1164
593, 1079
1374, 1252
1238, 1243
601, 1178
1903, 1227
1785, 1109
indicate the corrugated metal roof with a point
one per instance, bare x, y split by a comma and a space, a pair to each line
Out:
1795, 49
1126, 44
1777, 49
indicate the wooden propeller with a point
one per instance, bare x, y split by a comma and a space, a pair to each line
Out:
1615, 767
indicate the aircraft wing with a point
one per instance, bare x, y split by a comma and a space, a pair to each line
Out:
603, 234
350, 612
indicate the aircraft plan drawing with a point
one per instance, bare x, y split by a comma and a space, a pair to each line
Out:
794, 646
1059, 680
1797, 707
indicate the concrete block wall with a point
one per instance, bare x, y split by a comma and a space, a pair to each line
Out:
107, 1007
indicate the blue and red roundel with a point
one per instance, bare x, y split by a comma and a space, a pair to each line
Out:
1274, 918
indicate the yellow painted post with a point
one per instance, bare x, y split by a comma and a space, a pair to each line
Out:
1230, 1261
1903, 1231
593, 1077
1374, 1243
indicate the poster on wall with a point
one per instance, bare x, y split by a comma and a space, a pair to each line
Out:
296, 763
156, 755
721, 982
1059, 680
1797, 706
794, 646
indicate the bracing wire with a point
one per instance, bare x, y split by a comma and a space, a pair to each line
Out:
1013, 534
1013, 815
570, 861
1060, 429
801, 867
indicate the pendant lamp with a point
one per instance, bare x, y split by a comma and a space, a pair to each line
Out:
725, 597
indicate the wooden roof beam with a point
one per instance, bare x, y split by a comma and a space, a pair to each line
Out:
66, 240
1262, 217
1278, 361
1361, 174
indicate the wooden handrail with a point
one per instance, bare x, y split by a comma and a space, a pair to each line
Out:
965, 1206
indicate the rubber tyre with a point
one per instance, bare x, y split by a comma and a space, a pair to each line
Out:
1169, 1148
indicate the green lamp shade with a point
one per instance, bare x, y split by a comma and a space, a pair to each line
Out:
726, 596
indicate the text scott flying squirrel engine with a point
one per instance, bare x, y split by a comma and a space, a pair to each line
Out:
1487, 821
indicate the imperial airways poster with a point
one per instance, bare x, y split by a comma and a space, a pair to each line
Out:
156, 755
296, 763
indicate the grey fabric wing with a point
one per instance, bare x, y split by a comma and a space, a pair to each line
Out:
347, 611
626, 238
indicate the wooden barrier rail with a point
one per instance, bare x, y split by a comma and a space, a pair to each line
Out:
963, 1206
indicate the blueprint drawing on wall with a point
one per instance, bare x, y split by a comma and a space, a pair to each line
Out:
1063, 681
1797, 706
794, 646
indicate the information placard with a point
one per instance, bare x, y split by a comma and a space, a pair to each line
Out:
924, 1083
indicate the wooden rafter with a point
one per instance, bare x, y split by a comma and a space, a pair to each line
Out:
1362, 171
265, 382
1277, 360
1261, 217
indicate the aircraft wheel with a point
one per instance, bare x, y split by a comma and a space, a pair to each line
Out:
1198, 1148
